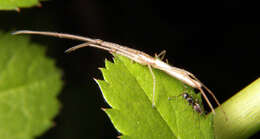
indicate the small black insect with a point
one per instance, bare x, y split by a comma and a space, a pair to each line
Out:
192, 102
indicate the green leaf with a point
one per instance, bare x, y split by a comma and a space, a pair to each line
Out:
127, 87
29, 85
16, 4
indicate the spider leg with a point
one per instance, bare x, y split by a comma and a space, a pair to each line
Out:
154, 84
161, 55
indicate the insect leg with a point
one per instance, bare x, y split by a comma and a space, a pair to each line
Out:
84, 45
55, 34
161, 55
109, 49
154, 84
211, 93
90, 45
81, 38
207, 100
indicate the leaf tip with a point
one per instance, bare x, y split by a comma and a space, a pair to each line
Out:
18, 10
96, 80
103, 109
109, 63
106, 60
100, 68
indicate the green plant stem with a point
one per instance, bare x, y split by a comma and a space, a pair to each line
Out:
243, 114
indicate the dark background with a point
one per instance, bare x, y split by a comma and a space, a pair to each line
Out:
218, 41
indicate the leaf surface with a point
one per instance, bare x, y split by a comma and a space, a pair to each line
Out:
127, 88
29, 85
16, 4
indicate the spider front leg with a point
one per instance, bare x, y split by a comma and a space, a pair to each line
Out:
161, 55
